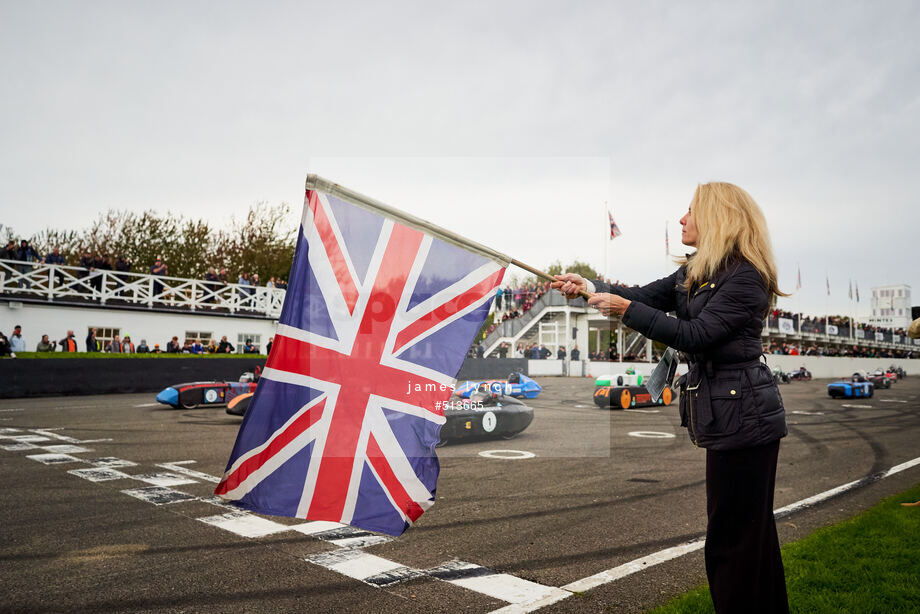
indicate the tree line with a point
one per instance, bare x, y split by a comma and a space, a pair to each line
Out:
262, 242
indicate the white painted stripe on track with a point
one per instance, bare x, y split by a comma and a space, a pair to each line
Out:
66, 448
498, 585
508, 588
627, 569
317, 526
163, 479
827, 494
557, 595
54, 459
354, 563
177, 467
51, 433
19, 447
245, 524
99, 474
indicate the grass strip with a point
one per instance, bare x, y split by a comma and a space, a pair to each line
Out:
867, 564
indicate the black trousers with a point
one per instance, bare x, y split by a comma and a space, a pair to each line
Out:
743, 561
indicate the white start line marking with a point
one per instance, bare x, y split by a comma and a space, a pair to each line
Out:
178, 467
245, 524
651, 434
856, 406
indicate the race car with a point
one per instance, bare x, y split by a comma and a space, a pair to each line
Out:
879, 379
485, 414
517, 385
212, 394
628, 397
854, 387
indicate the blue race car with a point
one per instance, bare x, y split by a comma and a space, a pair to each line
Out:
854, 388
517, 385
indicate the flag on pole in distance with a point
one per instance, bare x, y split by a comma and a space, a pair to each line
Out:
828, 282
851, 290
857, 291
614, 229
798, 278
376, 322
667, 243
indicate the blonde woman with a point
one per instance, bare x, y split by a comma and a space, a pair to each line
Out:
729, 401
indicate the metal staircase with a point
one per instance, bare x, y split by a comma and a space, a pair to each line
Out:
526, 328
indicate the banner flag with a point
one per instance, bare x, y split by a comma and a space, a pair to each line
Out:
614, 229
786, 325
831, 329
879, 336
376, 323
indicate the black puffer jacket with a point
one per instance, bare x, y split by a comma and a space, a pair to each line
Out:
729, 399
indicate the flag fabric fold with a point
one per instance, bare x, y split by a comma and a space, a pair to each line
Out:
375, 326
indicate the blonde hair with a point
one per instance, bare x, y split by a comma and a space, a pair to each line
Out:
729, 224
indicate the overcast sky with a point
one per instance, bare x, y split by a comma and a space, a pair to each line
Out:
510, 122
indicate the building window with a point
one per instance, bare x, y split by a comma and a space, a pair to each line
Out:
203, 337
241, 339
104, 335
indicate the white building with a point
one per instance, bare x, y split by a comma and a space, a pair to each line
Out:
51, 300
891, 306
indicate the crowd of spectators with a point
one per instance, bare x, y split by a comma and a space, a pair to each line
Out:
855, 351
16, 342
816, 325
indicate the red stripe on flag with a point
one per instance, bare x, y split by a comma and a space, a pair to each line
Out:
334, 251
448, 309
251, 464
335, 469
392, 484
296, 356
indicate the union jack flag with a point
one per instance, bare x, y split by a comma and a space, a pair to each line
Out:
376, 323
614, 229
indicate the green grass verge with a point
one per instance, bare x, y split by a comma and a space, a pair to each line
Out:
100, 355
868, 564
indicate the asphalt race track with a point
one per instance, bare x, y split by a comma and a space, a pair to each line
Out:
106, 508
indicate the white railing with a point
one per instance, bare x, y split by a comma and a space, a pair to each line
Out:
53, 282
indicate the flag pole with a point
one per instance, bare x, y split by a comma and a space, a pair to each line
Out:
606, 240
315, 182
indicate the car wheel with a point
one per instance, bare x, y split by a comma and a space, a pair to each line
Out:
508, 436
186, 405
